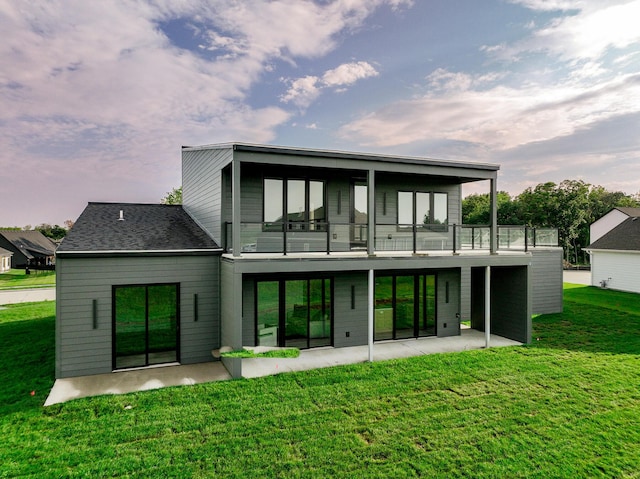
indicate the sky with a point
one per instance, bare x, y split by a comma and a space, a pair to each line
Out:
97, 97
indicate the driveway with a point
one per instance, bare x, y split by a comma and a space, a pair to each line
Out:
12, 296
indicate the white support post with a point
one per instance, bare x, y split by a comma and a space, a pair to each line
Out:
370, 300
487, 306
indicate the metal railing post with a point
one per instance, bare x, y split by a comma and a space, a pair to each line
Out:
415, 238
454, 238
328, 237
285, 226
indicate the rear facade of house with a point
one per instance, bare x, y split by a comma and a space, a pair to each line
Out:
310, 248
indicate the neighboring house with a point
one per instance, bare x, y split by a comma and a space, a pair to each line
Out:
5, 260
294, 247
28, 248
615, 250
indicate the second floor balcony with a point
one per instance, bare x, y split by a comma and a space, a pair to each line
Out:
326, 237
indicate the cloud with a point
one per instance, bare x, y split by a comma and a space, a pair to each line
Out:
567, 76
499, 117
594, 29
303, 91
89, 85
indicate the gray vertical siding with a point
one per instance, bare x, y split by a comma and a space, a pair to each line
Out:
465, 294
248, 312
448, 323
546, 280
202, 187
509, 303
82, 350
354, 321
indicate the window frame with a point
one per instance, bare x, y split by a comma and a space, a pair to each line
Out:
304, 224
114, 312
432, 225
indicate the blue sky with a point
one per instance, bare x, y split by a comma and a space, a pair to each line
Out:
98, 97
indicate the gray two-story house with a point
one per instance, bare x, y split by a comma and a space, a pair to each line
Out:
294, 247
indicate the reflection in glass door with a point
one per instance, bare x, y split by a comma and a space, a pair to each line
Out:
294, 313
359, 215
145, 325
405, 306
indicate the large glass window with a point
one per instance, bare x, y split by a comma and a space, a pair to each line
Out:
145, 325
405, 306
272, 200
304, 201
267, 312
422, 208
296, 201
405, 208
294, 312
440, 216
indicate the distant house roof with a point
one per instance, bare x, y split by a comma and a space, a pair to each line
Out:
131, 227
632, 212
5, 252
624, 237
30, 243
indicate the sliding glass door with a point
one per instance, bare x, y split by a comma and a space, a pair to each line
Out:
405, 306
145, 325
294, 312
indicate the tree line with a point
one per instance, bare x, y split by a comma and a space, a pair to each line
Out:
54, 232
570, 206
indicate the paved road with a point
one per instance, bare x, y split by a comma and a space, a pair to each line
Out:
49, 294
577, 277
12, 296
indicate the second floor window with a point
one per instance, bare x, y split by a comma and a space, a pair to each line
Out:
298, 203
422, 208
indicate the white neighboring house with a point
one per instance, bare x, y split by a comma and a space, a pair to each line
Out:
615, 250
5, 260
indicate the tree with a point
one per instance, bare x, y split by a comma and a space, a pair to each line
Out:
54, 232
476, 209
570, 206
173, 197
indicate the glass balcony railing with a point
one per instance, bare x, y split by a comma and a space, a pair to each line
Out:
325, 237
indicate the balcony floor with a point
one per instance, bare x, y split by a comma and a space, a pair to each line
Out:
378, 254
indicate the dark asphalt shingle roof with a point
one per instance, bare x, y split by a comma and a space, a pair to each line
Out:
29, 242
624, 237
146, 227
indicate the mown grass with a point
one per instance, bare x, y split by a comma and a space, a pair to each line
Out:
18, 279
568, 405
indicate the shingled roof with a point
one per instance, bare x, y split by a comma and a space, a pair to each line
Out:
134, 227
30, 242
624, 237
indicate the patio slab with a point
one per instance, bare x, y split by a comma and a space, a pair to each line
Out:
121, 382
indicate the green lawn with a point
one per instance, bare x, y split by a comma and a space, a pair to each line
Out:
18, 279
568, 405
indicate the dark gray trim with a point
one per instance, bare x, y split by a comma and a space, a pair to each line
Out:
285, 150
134, 254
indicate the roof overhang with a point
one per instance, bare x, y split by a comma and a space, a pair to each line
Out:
138, 253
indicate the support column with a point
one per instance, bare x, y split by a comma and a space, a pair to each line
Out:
370, 312
487, 306
371, 208
494, 214
235, 207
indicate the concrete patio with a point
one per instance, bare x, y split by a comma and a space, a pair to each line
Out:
122, 382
